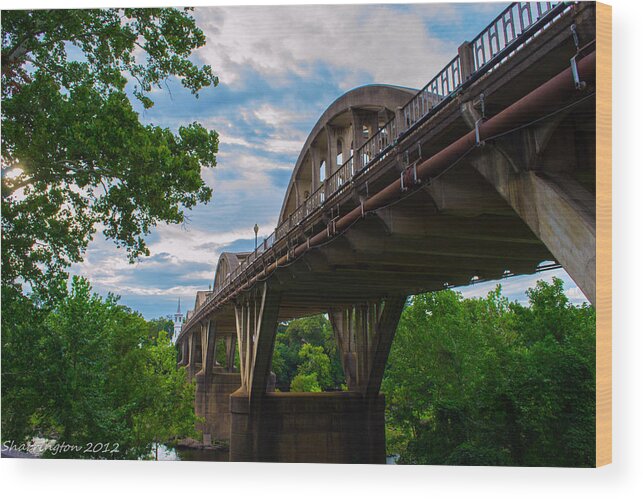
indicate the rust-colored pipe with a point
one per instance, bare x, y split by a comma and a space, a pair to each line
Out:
539, 102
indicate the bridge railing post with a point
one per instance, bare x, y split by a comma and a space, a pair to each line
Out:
467, 66
400, 125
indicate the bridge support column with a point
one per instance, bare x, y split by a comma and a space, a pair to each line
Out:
196, 352
213, 389
230, 351
188, 361
256, 321
364, 334
213, 403
341, 427
332, 427
183, 352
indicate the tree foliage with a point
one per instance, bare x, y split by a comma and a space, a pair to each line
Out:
305, 358
75, 156
315, 368
86, 370
303, 382
160, 325
489, 382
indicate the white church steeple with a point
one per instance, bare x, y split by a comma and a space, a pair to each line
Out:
178, 322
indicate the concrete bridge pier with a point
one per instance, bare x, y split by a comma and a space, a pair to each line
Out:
330, 427
212, 402
215, 383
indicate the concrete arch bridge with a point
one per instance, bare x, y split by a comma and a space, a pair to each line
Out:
487, 170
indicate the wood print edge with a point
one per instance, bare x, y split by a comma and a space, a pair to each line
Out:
603, 234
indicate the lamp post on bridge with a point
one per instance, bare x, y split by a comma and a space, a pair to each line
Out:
256, 229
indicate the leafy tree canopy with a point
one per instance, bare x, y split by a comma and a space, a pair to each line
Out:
315, 365
75, 156
160, 325
305, 383
87, 371
489, 382
305, 357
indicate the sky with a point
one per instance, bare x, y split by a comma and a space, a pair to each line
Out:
279, 68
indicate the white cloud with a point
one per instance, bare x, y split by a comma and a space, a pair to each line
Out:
195, 245
227, 139
383, 41
575, 295
279, 130
280, 117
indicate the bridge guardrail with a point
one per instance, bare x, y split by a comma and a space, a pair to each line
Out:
506, 34
439, 88
340, 178
506, 28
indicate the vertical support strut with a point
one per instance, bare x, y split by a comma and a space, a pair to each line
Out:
364, 334
256, 319
210, 347
191, 355
230, 350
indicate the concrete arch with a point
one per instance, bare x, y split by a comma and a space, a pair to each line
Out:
349, 121
201, 297
228, 262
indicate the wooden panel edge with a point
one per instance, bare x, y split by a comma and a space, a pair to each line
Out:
603, 234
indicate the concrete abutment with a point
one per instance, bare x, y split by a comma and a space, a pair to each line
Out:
212, 402
329, 427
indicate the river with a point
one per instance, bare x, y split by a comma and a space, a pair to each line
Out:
185, 454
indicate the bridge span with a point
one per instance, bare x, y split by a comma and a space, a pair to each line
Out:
487, 171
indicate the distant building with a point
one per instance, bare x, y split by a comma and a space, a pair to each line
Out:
178, 323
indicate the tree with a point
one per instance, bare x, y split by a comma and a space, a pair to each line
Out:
305, 333
169, 405
305, 383
489, 382
22, 333
75, 155
92, 374
158, 325
555, 389
313, 372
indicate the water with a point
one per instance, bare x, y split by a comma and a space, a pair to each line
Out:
186, 454
222, 455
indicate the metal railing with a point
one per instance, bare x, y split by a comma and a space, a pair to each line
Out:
507, 28
508, 32
340, 178
439, 88
376, 146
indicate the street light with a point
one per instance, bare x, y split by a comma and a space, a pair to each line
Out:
256, 229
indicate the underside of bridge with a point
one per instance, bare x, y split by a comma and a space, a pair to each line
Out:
500, 179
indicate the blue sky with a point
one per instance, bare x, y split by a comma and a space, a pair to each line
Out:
279, 69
